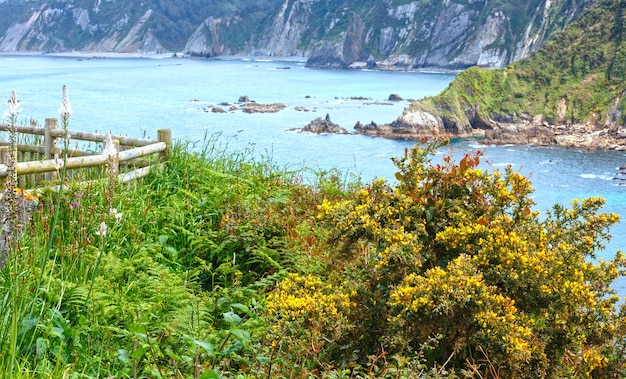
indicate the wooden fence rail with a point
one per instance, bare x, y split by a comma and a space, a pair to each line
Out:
38, 159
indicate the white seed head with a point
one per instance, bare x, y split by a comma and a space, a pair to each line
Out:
65, 110
13, 107
108, 148
57, 162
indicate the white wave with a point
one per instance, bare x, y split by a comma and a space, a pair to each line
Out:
595, 176
189, 109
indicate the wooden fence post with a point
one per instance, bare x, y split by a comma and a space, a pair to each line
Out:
165, 135
4, 155
50, 143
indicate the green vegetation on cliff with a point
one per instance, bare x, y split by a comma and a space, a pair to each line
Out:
578, 76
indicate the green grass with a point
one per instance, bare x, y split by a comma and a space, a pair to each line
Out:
178, 286
174, 288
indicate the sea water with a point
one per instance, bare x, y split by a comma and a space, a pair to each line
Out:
136, 97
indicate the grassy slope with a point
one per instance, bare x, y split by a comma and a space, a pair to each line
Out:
585, 64
179, 279
179, 285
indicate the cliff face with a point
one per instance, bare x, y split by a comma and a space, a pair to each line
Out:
387, 34
68, 26
570, 92
394, 34
125, 26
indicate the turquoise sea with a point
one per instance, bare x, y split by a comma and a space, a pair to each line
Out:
135, 97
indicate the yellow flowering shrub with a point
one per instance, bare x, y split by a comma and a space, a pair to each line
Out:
308, 314
459, 293
458, 253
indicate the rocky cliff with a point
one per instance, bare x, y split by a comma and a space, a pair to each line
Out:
386, 34
569, 93
123, 26
394, 34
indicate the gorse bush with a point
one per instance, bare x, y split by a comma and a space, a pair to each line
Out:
222, 266
454, 253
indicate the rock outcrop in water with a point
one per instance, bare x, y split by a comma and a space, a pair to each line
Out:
262, 108
323, 125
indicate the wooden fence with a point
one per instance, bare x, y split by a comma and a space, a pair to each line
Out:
38, 146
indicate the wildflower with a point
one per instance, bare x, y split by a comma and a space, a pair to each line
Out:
102, 230
68, 139
65, 110
57, 162
113, 212
108, 148
13, 108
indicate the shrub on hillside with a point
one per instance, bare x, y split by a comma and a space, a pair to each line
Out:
453, 267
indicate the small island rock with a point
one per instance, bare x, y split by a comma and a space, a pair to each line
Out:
324, 125
262, 108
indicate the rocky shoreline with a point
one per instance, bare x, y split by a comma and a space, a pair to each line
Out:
579, 136
416, 124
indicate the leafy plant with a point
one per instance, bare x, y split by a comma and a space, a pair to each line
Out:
457, 252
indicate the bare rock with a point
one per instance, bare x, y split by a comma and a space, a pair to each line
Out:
324, 125
395, 97
521, 134
262, 108
412, 124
